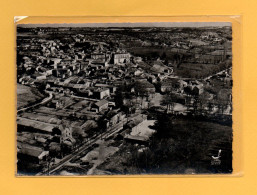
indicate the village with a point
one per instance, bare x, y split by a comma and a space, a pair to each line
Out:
83, 94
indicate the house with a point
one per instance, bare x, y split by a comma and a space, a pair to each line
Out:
49, 72
38, 76
120, 58
197, 90
194, 88
101, 105
152, 79
34, 126
136, 139
115, 117
98, 64
80, 105
79, 56
138, 72
137, 59
167, 86
62, 73
182, 84
160, 68
97, 56
110, 87
101, 93
32, 154
66, 135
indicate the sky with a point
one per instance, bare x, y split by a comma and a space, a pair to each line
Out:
154, 24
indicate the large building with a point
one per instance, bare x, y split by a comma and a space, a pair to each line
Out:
101, 93
101, 105
100, 56
120, 58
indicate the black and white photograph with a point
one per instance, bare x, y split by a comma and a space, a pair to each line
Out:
124, 99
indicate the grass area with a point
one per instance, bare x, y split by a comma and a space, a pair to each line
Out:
196, 67
27, 95
151, 51
195, 70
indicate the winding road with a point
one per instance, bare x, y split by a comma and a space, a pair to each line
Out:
45, 100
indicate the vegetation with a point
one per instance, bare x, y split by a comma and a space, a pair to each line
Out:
200, 71
178, 145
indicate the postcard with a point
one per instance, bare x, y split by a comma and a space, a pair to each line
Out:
124, 98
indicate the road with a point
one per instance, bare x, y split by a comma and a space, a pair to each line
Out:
85, 98
45, 100
218, 73
204, 79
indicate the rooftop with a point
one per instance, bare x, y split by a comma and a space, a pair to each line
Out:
101, 103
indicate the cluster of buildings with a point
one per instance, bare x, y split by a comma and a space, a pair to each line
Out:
94, 85
83, 78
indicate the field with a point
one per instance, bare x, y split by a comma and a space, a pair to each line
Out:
187, 70
27, 95
151, 52
194, 70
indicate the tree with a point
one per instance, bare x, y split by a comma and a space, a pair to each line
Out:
79, 134
223, 99
120, 95
140, 89
54, 149
163, 126
169, 100
102, 125
196, 104
203, 102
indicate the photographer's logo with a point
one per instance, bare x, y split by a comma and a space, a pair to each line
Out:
216, 159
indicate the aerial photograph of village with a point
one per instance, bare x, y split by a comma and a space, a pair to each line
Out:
124, 99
